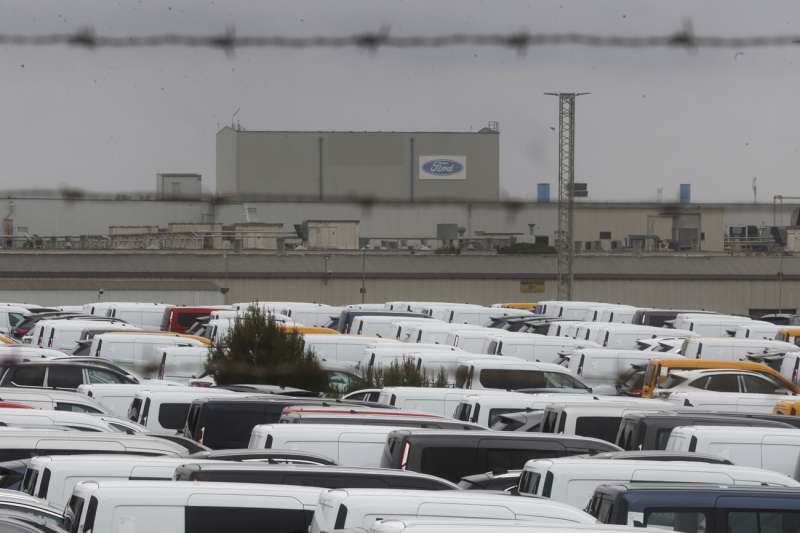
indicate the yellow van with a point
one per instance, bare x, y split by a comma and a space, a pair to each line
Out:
308, 330
789, 335
787, 407
658, 370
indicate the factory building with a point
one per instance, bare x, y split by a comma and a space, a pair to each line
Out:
407, 166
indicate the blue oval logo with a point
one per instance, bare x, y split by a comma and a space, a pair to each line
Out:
442, 167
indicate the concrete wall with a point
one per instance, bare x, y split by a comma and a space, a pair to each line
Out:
723, 283
227, 158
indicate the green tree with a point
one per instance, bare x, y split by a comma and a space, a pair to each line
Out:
258, 350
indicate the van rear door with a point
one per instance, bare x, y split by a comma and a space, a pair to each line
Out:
361, 448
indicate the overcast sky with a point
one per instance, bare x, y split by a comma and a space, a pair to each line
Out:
111, 119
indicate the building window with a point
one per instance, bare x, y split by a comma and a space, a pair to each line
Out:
605, 235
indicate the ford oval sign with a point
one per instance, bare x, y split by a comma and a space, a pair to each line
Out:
443, 167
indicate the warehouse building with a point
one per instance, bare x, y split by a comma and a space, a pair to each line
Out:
406, 166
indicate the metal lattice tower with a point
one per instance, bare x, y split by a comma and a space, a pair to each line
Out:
565, 242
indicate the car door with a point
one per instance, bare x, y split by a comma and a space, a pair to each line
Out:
762, 393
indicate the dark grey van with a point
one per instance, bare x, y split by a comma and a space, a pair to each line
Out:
650, 431
453, 455
331, 477
698, 508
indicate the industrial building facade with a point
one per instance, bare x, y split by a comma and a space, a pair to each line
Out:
405, 166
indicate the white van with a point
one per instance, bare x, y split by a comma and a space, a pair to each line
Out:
731, 347
602, 368
775, 449
138, 352
65, 471
59, 400
361, 508
401, 325
310, 314
712, 325
342, 348
476, 339
45, 418
568, 310
432, 332
10, 316
147, 316
483, 316
540, 348
189, 507
440, 401
510, 373
64, 335
597, 418
381, 326
758, 330
21, 443
182, 364
164, 411
625, 336
357, 445
116, 398
573, 480
485, 407
621, 314
558, 327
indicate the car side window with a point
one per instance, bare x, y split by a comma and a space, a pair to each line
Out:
64, 377
98, 375
699, 383
758, 385
723, 383
27, 376
687, 521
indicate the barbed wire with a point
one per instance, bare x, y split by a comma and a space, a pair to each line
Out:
521, 41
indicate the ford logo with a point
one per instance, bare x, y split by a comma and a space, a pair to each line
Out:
442, 167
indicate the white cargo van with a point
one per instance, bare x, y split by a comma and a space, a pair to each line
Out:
342, 348
621, 314
189, 507
597, 418
357, 445
116, 398
712, 325
10, 316
182, 364
361, 508
540, 348
147, 316
758, 330
731, 347
164, 411
64, 335
431, 331
310, 314
138, 352
568, 310
573, 480
485, 407
63, 472
483, 316
775, 449
602, 368
381, 326
510, 373
625, 336
435, 400
476, 339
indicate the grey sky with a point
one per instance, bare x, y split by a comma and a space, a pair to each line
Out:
111, 119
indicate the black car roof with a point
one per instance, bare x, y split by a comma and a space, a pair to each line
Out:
705, 488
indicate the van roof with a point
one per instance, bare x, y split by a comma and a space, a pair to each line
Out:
135, 334
353, 410
759, 491
177, 492
502, 435
738, 430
